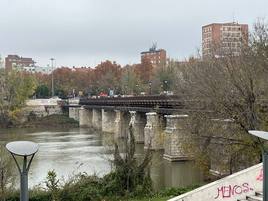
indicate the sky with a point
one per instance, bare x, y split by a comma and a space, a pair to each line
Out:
86, 32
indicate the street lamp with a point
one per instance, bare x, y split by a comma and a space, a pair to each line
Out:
165, 85
150, 87
24, 149
263, 135
137, 89
52, 77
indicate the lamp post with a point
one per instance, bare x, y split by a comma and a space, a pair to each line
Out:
165, 85
137, 89
23, 149
52, 77
263, 135
150, 87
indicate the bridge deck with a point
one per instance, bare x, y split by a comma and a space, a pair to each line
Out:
136, 101
158, 103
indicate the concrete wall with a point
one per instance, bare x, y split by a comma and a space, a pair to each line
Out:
176, 136
153, 132
42, 102
231, 188
96, 118
138, 122
42, 110
74, 113
121, 124
42, 107
108, 121
85, 117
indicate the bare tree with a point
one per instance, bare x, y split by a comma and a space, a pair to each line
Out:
232, 91
7, 176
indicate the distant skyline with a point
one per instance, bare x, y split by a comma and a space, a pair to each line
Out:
86, 32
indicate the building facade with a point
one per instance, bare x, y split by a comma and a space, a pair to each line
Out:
157, 57
219, 39
38, 69
12, 61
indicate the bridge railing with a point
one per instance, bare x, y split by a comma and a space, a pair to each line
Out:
136, 101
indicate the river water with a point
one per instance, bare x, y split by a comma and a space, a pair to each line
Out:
70, 151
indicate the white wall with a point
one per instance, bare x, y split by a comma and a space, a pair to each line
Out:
231, 188
43, 102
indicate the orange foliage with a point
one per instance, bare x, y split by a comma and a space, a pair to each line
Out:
144, 70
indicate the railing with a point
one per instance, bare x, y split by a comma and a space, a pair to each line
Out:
136, 101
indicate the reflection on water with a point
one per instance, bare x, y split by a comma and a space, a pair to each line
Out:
71, 151
171, 174
67, 152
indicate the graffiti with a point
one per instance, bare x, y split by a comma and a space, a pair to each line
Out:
232, 190
260, 175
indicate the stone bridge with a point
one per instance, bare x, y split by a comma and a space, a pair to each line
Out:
157, 121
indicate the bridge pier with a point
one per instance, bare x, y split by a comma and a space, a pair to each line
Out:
74, 113
121, 124
176, 137
85, 117
138, 122
108, 121
153, 133
97, 118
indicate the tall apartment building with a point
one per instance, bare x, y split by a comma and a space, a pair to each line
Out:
219, 39
157, 57
12, 61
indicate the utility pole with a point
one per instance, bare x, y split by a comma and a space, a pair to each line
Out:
52, 77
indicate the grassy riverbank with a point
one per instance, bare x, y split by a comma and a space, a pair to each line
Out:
92, 195
52, 121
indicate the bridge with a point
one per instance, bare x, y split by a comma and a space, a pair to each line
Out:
158, 121
160, 103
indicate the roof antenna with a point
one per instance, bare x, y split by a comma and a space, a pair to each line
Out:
153, 48
234, 18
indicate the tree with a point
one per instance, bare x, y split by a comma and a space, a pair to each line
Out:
106, 76
15, 88
7, 176
164, 78
129, 176
1, 62
130, 81
232, 89
52, 184
144, 71
42, 91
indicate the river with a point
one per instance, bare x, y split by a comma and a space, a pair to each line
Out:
70, 151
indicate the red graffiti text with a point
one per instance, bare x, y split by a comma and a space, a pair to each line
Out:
260, 176
232, 190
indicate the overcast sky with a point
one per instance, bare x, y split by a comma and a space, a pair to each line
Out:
85, 32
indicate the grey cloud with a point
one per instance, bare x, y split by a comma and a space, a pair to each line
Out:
86, 31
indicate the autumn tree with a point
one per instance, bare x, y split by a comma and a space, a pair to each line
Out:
144, 71
106, 76
15, 88
68, 80
130, 82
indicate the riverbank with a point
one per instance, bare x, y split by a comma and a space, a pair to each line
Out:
52, 121
90, 192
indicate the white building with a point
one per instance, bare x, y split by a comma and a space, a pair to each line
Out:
38, 69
